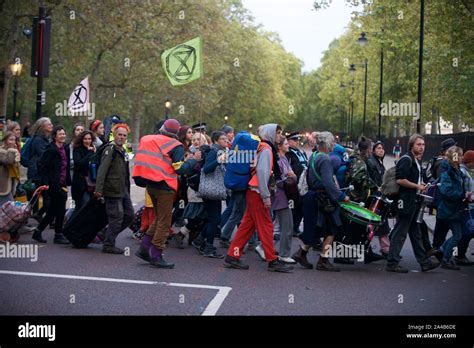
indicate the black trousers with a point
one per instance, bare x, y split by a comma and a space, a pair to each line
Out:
55, 210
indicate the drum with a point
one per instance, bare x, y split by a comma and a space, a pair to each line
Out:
380, 206
355, 213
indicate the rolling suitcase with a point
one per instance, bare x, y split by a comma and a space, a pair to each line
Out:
82, 228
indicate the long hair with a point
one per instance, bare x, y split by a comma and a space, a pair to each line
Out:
7, 135
38, 127
413, 139
78, 142
454, 156
74, 130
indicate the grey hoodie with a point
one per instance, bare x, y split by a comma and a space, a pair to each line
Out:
264, 159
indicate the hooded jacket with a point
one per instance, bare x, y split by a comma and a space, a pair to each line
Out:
451, 193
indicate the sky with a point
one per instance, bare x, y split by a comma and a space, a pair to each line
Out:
305, 32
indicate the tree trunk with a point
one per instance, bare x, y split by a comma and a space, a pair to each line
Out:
4, 80
137, 114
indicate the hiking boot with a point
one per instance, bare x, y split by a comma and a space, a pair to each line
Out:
343, 261
325, 265
157, 260
396, 269
436, 252
279, 266
179, 239
463, 261
300, 257
110, 249
37, 236
211, 251
60, 239
370, 256
450, 265
429, 266
232, 262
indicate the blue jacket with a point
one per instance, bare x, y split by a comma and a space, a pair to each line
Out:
39, 143
451, 193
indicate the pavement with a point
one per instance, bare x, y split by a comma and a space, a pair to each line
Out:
67, 281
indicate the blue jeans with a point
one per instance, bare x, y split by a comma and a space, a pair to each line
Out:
238, 210
228, 210
448, 245
213, 210
310, 234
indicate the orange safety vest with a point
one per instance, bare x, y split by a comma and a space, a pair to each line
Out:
254, 179
152, 161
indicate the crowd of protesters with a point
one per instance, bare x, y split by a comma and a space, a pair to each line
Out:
172, 163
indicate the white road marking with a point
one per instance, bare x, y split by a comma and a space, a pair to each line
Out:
211, 309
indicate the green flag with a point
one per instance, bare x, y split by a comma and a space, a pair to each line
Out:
183, 63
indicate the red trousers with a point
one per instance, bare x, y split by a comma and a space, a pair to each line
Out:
256, 217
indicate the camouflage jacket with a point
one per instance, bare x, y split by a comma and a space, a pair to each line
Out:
360, 179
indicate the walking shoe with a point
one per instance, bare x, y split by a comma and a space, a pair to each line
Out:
157, 260
179, 239
288, 260
450, 265
60, 239
224, 243
429, 266
260, 252
300, 257
211, 251
232, 262
343, 260
143, 254
370, 256
37, 236
110, 249
198, 242
463, 261
279, 266
325, 265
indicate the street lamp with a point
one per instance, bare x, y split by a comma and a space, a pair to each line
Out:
362, 40
167, 108
250, 125
352, 69
16, 72
226, 118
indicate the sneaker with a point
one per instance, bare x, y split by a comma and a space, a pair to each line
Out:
450, 265
109, 249
396, 269
143, 254
325, 265
429, 266
179, 239
279, 266
260, 252
463, 261
288, 260
232, 262
211, 251
198, 243
370, 256
60, 239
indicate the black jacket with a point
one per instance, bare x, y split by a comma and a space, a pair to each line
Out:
39, 143
376, 170
49, 167
407, 169
81, 157
298, 161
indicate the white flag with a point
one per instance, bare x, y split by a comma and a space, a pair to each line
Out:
79, 99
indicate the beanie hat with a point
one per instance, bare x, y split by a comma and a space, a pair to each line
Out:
469, 156
171, 126
227, 129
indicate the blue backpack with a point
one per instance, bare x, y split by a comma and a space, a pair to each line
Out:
26, 152
242, 157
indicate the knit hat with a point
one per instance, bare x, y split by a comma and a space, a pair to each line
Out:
227, 129
377, 143
469, 156
171, 126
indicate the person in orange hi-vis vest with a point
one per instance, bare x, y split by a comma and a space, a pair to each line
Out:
257, 214
158, 162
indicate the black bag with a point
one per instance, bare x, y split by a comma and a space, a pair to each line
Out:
82, 228
324, 203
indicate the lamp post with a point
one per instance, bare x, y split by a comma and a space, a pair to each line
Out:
420, 64
352, 70
167, 108
16, 72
